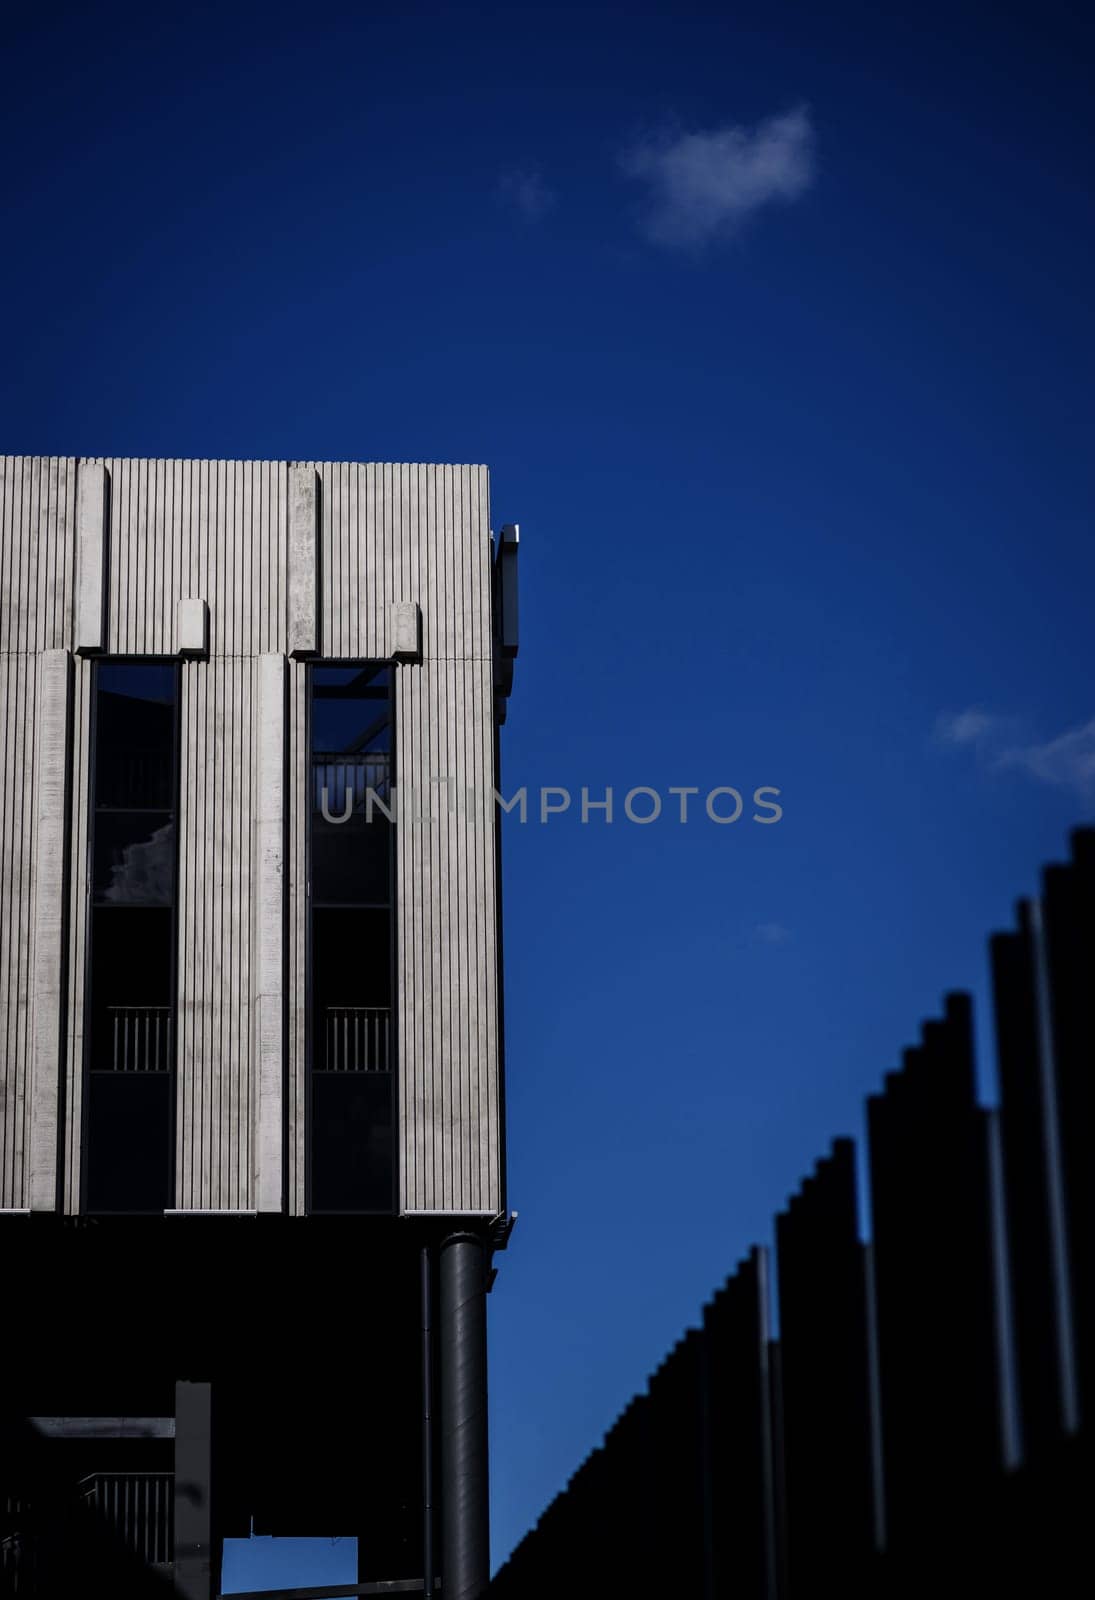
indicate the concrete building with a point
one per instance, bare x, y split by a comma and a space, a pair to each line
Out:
252, 1152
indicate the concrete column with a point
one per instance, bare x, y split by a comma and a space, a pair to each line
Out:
268, 996
53, 714
92, 499
303, 561
465, 1525
194, 1574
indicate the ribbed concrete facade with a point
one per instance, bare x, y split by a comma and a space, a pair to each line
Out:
294, 562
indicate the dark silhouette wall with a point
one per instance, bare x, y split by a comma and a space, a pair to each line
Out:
920, 1424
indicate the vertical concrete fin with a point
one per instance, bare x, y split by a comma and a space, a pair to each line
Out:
78, 931
92, 504
508, 545
304, 577
18, 696
52, 718
296, 894
267, 972
216, 1031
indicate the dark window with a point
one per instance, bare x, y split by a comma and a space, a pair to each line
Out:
351, 1133
130, 1060
351, 786
135, 736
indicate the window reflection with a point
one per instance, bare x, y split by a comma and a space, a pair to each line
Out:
134, 858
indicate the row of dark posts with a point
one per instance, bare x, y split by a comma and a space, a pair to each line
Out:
920, 1426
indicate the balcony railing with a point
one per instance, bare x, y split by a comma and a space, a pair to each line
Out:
138, 1506
137, 1509
356, 1039
135, 779
138, 1039
340, 783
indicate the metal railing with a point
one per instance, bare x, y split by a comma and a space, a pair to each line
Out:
356, 1039
139, 1038
136, 779
340, 784
138, 1506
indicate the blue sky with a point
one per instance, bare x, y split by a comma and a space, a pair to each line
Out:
773, 324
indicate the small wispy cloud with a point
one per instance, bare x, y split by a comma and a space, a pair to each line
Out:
771, 933
704, 185
973, 726
526, 193
1066, 761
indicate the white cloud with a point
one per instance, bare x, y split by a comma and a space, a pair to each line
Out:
771, 933
527, 194
965, 727
1066, 761
701, 185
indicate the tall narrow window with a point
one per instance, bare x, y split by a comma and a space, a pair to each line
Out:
351, 1135
130, 1032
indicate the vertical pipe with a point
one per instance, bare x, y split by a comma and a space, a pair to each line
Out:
465, 1541
427, 1423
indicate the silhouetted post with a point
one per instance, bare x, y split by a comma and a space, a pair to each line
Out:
465, 1541
426, 1268
193, 1491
